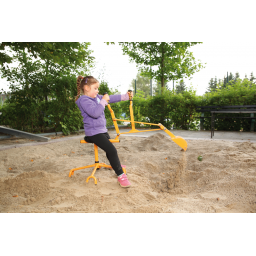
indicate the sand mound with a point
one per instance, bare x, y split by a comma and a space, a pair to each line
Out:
156, 142
164, 178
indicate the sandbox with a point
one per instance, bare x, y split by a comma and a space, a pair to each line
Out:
164, 179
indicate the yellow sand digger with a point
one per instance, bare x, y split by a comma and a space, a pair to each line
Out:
177, 139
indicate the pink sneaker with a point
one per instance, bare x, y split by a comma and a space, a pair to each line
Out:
123, 181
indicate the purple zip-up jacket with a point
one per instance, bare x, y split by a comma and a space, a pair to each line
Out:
92, 110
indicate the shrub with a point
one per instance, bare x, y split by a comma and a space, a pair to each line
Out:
241, 92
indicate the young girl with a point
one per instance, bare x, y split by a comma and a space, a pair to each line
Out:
92, 108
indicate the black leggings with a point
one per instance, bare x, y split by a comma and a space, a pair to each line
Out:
102, 141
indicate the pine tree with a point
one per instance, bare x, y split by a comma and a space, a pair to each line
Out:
252, 78
224, 84
230, 77
181, 87
212, 85
237, 76
215, 82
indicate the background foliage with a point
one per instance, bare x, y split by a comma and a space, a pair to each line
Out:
43, 88
178, 110
236, 92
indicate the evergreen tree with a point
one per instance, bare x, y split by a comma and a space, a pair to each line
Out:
237, 76
231, 77
212, 85
252, 78
181, 87
224, 82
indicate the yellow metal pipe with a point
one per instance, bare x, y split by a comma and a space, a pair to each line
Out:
141, 131
135, 122
113, 118
80, 168
96, 153
132, 117
95, 169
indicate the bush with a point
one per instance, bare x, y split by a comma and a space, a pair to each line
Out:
168, 109
241, 92
26, 111
116, 107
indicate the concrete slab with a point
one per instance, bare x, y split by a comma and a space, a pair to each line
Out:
22, 134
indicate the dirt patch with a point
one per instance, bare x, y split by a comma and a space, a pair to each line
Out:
163, 178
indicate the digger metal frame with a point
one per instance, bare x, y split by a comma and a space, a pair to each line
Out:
97, 164
177, 139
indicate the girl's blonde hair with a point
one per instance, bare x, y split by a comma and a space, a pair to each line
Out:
82, 81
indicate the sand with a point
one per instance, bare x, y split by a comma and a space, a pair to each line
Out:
34, 179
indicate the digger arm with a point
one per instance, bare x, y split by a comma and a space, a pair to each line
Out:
177, 139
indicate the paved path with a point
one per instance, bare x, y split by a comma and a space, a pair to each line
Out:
187, 135
201, 135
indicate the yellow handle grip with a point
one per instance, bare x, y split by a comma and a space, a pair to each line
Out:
130, 96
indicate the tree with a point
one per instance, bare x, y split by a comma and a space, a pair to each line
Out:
252, 78
71, 53
229, 80
43, 91
169, 60
212, 85
237, 76
142, 83
231, 77
181, 87
157, 88
73, 58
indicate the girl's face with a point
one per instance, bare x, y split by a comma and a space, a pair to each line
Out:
92, 91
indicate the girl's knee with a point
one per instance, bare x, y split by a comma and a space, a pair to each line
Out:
112, 151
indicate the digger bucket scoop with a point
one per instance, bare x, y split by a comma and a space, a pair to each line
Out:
177, 139
180, 142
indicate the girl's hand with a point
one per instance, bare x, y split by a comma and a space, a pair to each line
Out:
106, 97
131, 93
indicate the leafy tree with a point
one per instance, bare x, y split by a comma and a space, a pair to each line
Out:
43, 91
169, 60
180, 87
104, 88
142, 84
71, 53
30, 70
